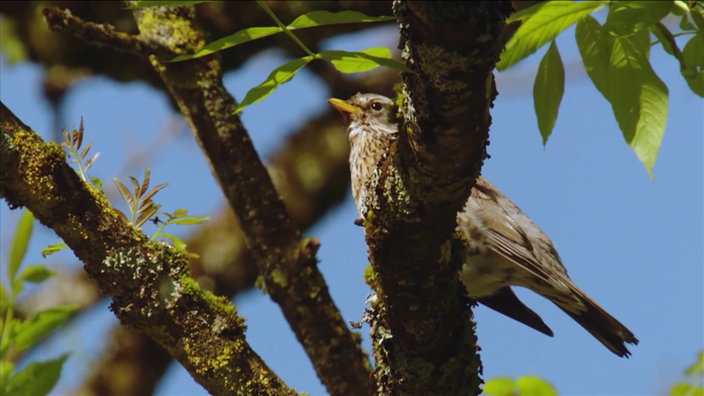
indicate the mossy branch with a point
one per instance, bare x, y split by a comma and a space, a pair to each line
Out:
422, 184
285, 259
148, 281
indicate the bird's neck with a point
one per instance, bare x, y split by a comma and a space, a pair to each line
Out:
366, 150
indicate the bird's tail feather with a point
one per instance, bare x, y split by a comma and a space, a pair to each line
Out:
604, 327
506, 302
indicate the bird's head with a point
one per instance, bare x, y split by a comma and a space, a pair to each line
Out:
367, 113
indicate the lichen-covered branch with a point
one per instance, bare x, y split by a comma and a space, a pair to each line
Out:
308, 192
286, 261
96, 34
67, 59
452, 48
234, 270
424, 341
148, 281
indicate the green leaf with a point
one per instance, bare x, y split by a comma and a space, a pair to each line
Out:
4, 300
307, 20
37, 379
323, 18
697, 18
628, 17
365, 60
638, 97
620, 70
237, 38
36, 328
548, 89
5, 341
499, 386
163, 3
16, 286
534, 386
595, 48
178, 213
523, 386
19, 244
6, 368
694, 372
543, 26
187, 220
51, 249
526, 13
97, 182
685, 24
276, 78
693, 55
35, 274
685, 389
697, 368
624, 77
13, 49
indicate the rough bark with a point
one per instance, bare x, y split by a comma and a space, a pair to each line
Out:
422, 330
320, 142
309, 194
286, 260
148, 282
423, 336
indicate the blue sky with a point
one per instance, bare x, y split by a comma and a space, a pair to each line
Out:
633, 244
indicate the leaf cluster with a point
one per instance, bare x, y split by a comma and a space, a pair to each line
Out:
77, 153
139, 201
142, 208
343, 61
522, 386
21, 334
694, 386
616, 56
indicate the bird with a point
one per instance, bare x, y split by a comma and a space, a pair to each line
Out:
504, 247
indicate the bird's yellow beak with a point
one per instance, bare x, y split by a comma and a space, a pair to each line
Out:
343, 107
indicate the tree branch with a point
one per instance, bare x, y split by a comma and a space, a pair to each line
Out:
423, 336
98, 35
148, 281
308, 197
286, 261
71, 57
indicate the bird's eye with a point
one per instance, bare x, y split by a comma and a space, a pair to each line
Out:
376, 106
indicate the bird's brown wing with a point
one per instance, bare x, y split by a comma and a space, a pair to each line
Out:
513, 235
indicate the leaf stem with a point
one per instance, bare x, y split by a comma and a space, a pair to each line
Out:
285, 28
667, 35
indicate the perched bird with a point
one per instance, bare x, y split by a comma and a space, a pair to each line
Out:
504, 247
